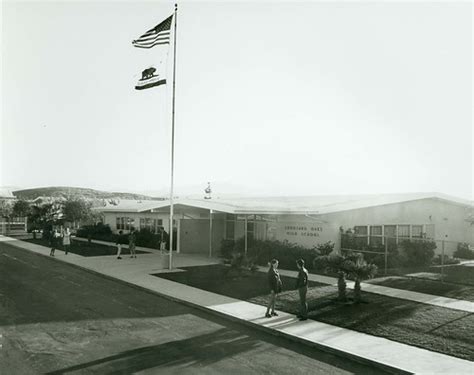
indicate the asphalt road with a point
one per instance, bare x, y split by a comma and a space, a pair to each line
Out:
56, 318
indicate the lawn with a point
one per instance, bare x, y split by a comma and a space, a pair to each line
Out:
213, 279
87, 249
434, 328
459, 274
438, 288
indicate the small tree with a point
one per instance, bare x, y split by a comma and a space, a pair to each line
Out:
77, 210
6, 208
335, 263
21, 208
325, 248
358, 269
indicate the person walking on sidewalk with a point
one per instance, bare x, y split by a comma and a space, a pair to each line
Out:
131, 243
302, 286
275, 284
120, 240
54, 238
66, 240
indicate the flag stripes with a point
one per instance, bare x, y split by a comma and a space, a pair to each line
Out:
160, 34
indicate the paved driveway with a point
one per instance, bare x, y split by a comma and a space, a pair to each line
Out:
56, 318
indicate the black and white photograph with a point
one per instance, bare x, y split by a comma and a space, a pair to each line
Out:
236, 187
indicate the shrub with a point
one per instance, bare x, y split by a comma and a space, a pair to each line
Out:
418, 253
146, 238
447, 260
325, 248
227, 248
97, 231
463, 251
286, 253
261, 252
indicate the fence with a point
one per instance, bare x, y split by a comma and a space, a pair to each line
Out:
13, 226
415, 257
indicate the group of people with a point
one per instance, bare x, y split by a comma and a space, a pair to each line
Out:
276, 286
131, 239
60, 239
123, 239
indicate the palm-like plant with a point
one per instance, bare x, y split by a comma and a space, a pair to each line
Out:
358, 269
335, 263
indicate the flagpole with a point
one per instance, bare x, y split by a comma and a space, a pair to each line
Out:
172, 140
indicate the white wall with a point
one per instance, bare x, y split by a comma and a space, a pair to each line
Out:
449, 219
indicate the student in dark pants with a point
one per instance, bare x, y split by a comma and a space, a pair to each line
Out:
275, 284
54, 238
120, 240
132, 238
302, 286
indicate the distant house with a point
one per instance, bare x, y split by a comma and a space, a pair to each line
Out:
6, 194
201, 224
10, 225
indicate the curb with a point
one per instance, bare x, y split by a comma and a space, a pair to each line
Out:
324, 348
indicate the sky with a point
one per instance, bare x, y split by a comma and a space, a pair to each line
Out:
272, 98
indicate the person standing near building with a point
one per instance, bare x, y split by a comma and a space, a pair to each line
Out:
66, 240
119, 241
302, 286
131, 243
275, 284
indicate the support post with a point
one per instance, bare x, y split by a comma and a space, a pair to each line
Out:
386, 255
210, 233
442, 261
245, 233
172, 138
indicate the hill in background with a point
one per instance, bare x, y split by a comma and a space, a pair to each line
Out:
75, 192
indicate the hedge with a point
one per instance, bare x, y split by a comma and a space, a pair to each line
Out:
101, 232
261, 252
463, 251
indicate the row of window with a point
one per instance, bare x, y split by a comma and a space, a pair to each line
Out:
127, 223
375, 234
414, 231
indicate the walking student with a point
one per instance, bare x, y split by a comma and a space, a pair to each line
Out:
131, 243
275, 284
66, 240
302, 286
119, 242
54, 237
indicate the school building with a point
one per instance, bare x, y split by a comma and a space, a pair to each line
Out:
201, 224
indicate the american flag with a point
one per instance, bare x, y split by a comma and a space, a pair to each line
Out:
158, 35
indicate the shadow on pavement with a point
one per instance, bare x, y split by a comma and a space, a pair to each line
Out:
197, 351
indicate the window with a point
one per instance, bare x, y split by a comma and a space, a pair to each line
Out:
375, 230
130, 223
361, 230
417, 231
250, 230
229, 230
390, 231
403, 231
376, 235
124, 223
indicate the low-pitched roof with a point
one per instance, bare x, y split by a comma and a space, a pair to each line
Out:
322, 204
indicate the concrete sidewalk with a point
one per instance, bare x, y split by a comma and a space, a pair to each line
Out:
387, 354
